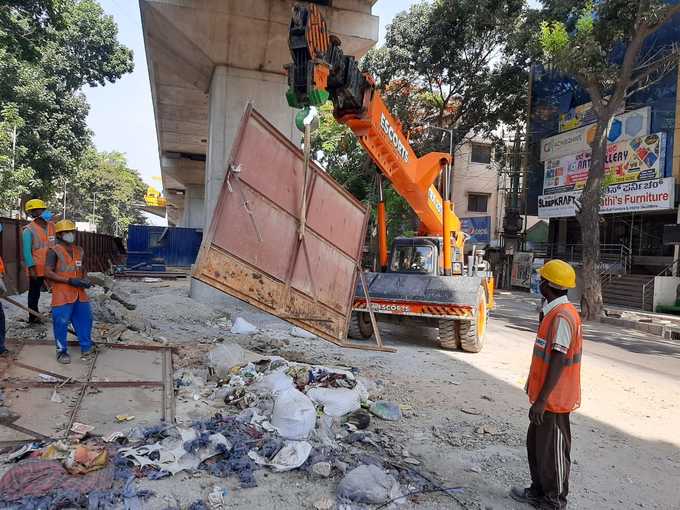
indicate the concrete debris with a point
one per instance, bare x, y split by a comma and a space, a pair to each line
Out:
112, 312
324, 503
108, 284
323, 469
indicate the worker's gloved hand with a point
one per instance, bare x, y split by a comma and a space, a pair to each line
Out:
3, 287
80, 283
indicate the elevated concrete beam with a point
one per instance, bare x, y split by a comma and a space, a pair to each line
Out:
184, 171
172, 46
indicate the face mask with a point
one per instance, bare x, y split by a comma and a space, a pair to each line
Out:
47, 215
69, 237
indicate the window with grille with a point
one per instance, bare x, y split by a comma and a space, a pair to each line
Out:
477, 202
481, 153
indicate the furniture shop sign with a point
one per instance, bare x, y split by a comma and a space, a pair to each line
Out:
626, 126
639, 159
649, 195
478, 228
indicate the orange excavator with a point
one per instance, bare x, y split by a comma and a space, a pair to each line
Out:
423, 279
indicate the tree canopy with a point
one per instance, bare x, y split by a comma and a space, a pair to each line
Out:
446, 64
104, 183
49, 50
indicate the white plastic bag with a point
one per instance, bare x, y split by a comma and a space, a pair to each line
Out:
369, 484
291, 456
336, 401
227, 355
243, 327
294, 415
274, 383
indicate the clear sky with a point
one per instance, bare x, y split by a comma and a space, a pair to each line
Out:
121, 114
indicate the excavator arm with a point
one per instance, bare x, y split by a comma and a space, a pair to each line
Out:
321, 71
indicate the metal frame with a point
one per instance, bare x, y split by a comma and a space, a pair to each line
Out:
167, 385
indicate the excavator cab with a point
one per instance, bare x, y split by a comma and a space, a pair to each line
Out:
415, 255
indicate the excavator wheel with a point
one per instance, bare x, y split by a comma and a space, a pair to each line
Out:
360, 326
448, 336
471, 333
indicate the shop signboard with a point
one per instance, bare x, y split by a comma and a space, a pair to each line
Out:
626, 126
641, 158
478, 228
579, 116
649, 195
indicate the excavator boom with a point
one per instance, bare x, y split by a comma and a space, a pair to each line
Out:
321, 71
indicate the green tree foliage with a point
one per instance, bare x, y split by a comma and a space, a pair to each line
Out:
49, 50
119, 192
341, 154
606, 48
15, 177
446, 64
450, 64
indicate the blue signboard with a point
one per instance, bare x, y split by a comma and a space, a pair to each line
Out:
479, 229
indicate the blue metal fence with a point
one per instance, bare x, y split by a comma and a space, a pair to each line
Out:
169, 246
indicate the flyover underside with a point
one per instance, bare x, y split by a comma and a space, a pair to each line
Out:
206, 61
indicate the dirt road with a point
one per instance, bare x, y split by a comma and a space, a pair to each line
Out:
466, 414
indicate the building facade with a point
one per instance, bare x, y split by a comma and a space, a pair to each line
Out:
642, 167
475, 192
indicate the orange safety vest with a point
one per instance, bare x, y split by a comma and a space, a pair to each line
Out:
69, 265
41, 241
566, 396
2, 267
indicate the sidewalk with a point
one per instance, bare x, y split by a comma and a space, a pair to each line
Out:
658, 324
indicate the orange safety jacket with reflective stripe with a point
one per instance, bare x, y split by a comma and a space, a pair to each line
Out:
69, 265
566, 396
41, 241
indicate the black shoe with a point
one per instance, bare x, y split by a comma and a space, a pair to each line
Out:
63, 358
528, 496
5, 353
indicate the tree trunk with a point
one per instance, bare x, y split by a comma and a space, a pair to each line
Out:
589, 219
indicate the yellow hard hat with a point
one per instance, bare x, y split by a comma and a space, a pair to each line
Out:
559, 273
64, 226
35, 203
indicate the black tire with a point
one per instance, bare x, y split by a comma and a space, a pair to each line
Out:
471, 333
448, 335
360, 326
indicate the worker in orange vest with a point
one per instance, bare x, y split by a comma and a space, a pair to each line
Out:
554, 389
3, 291
70, 303
37, 238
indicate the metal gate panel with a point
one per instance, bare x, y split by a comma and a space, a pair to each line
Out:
253, 249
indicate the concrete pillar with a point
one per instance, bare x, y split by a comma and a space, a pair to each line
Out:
215, 167
194, 206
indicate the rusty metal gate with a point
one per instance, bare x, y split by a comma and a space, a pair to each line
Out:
255, 249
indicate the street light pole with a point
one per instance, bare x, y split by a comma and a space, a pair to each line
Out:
94, 208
